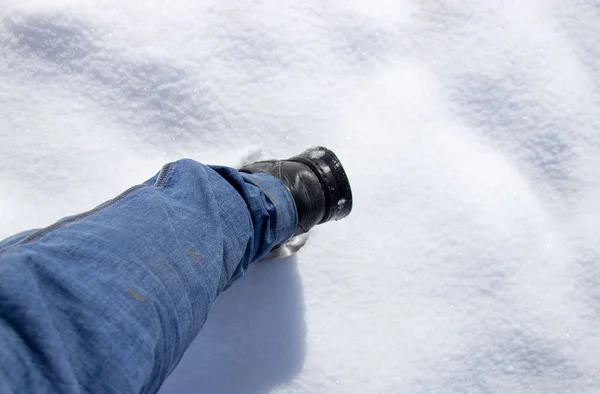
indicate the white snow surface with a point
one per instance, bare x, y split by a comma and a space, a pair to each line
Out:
470, 131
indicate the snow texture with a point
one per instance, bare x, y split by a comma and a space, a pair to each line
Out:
470, 131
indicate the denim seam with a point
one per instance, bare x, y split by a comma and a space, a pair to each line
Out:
161, 180
164, 175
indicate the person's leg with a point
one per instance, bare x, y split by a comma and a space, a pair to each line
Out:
16, 238
108, 301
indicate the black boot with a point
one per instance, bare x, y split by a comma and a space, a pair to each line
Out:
318, 184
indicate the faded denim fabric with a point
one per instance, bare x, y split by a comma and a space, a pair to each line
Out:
107, 301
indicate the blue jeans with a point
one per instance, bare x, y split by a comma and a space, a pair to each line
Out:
107, 301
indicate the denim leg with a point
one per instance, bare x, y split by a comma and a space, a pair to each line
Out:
108, 301
16, 238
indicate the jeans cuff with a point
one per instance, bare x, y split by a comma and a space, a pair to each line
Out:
276, 191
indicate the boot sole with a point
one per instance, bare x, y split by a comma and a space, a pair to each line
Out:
334, 180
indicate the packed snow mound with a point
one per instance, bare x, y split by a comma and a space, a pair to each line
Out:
470, 132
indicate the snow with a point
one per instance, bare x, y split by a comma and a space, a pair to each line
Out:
470, 133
